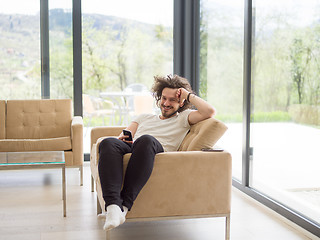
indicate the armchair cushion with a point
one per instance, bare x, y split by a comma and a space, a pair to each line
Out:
36, 119
26, 145
203, 134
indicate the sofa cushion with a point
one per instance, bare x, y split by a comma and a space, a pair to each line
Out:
203, 134
2, 119
24, 145
38, 119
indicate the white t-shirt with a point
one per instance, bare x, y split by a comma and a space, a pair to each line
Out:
169, 132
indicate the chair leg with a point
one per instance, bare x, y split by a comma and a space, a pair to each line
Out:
228, 227
81, 175
108, 235
99, 210
92, 184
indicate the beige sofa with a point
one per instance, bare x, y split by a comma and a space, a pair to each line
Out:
189, 183
42, 125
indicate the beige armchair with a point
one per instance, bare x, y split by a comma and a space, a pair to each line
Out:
42, 125
189, 183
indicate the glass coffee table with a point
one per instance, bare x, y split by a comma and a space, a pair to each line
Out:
34, 160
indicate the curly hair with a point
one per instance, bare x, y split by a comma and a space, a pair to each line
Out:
170, 81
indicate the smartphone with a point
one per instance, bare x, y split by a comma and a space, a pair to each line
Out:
215, 149
128, 133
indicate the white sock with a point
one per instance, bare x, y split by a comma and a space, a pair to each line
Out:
114, 217
103, 215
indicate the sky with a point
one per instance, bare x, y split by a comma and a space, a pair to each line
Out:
140, 10
148, 10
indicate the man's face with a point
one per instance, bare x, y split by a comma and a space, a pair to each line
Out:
169, 102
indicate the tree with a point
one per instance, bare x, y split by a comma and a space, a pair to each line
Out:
300, 57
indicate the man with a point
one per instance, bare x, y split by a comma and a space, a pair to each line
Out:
152, 134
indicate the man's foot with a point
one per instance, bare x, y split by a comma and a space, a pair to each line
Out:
114, 217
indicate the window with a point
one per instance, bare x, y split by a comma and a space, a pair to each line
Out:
285, 115
20, 76
221, 69
123, 48
60, 46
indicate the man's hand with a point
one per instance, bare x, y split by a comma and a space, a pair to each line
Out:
182, 95
132, 128
123, 138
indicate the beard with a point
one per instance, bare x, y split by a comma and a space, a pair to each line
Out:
168, 112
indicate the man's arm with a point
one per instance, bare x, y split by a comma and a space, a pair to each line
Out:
204, 109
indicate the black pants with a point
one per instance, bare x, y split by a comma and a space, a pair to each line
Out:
139, 169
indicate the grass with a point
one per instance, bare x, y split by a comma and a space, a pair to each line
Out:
276, 116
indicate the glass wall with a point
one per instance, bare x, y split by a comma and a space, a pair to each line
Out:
20, 76
285, 122
60, 48
124, 45
221, 69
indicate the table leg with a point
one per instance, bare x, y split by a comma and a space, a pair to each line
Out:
64, 190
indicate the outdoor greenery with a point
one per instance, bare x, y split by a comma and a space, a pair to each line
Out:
305, 114
20, 53
117, 52
275, 116
285, 64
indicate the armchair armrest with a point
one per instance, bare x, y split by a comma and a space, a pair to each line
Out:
98, 132
77, 139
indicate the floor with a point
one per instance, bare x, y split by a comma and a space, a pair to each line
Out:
31, 208
278, 148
